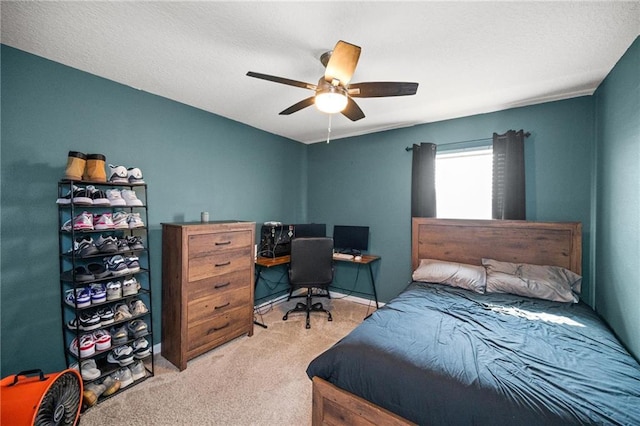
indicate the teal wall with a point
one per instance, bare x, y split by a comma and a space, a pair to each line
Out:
191, 160
617, 221
366, 180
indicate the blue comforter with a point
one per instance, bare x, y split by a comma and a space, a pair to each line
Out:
438, 355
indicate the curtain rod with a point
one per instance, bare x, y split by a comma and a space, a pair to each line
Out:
526, 135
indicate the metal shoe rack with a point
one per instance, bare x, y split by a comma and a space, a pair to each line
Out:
70, 260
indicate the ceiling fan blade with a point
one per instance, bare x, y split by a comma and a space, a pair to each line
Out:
342, 63
300, 105
282, 80
352, 111
380, 89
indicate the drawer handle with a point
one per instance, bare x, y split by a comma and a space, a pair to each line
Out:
223, 243
214, 329
222, 285
223, 306
223, 264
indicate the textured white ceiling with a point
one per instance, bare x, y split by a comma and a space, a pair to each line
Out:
469, 57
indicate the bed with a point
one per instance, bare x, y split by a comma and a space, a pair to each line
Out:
439, 354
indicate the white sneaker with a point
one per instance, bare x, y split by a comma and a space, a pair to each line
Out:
130, 197
134, 175
138, 371
120, 220
117, 174
130, 287
114, 290
135, 221
115, 198
89, 369
103, 221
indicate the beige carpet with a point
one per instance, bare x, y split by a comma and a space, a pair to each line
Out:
258, 380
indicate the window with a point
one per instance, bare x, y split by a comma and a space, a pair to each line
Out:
463, 183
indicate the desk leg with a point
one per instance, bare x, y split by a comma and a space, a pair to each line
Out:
255, 286
373, 284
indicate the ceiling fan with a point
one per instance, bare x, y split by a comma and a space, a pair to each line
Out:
333, 91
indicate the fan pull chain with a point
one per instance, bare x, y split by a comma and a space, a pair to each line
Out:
329, 129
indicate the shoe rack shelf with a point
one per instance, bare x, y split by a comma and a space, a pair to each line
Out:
86, 265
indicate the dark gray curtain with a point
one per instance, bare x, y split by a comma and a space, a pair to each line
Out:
423, 180
508, 199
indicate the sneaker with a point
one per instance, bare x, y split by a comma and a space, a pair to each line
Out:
102, 339
98, 196
82, 197
135, 221
73, 324
66, 199
137, 307
87, 346
134, 175
81, 296
141, 348
114, 290
84, 247
89, 321
79, 274
119, 335
106, 315
98, 270
122, 312
91, 393
133, 264
130, 287
122, 355
130, 197
98, 293
120, 220
138, 371
115, 198
107, 244
102, 221
123, 376
137, 328
116, 265
135, 243
111, 386
87, 369
123, 246
82, 222
118, 174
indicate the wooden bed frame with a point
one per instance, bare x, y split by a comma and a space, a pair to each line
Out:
466, 241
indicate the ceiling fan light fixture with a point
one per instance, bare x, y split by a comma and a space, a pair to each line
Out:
331, 100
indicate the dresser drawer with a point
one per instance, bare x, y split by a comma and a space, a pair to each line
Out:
206, 308
218, 284
215, 242
208, 334
220, 263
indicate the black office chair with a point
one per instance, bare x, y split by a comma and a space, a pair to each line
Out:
311, 267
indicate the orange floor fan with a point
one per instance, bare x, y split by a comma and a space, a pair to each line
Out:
33, 398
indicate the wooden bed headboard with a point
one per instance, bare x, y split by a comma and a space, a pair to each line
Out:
468, 241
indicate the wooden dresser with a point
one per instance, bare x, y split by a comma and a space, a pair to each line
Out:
207, 286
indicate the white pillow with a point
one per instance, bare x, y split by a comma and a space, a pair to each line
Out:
542, 282
455, 274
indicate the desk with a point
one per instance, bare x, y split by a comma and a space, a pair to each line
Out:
270, 262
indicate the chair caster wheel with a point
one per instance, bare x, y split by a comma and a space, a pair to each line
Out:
284, 318
308, 326
330, 319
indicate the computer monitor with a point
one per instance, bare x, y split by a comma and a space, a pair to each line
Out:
308, 230
350, 239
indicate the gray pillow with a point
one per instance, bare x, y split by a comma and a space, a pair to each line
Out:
541, 282
460, 275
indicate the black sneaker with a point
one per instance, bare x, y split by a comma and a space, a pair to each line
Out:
84, 247
135, 243
98, 196
82, 197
